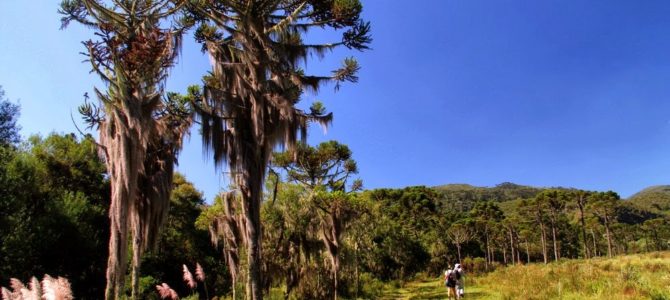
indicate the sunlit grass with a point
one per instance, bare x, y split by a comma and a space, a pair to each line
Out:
644, 276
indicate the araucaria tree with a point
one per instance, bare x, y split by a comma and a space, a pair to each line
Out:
603, 205
325, 171
459, 233
248, 105
140, 129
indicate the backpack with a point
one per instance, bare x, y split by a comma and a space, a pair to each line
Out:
457, 274
451, 280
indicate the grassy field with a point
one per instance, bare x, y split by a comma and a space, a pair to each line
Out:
625, 277
428, 289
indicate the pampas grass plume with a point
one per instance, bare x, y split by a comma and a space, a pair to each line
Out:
199, 272
188, 278
34, 288
166, 292
6, 295
56, 288
16, 286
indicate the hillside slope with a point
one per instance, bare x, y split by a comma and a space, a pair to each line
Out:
655, 199
463, 196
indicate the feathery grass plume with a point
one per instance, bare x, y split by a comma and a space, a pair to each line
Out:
166, 292
21, 292
199, 273
34, 289
163, 290
188, 278
16, 286
56, 288
6, 295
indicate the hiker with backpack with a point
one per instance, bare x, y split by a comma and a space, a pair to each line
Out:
450, 283
458, 274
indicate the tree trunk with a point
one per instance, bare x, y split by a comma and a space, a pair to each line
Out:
356, 274
113, 270
609, 237
458, 249
234, 282
553, 236
330, 239
527, 252
518, 251
581, 219
124, 161
511, 242
136, 266
595, 245
336, 267
504, 249
251, 199
488, 252
544, 242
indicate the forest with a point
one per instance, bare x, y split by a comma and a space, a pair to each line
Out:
105, 212
322, 232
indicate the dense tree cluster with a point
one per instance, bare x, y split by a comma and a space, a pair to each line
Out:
393, 234
54, 194
323, 236
246, 107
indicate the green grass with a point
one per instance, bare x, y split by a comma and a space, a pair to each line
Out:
427, 288
626, 277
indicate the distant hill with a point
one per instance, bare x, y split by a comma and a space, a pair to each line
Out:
502, 192
463, 196
652, 202
655, 199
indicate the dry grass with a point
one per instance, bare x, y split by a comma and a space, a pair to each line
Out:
625, 277
644, 276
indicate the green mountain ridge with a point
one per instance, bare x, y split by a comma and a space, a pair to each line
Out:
505, 191
655, 199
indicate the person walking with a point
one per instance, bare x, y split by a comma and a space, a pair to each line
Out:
450, 283
458, 274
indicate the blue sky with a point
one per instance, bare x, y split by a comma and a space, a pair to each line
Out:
543, 93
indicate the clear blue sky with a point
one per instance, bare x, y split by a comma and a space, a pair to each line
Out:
545, 93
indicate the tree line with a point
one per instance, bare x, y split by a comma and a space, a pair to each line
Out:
327, 237
323, 235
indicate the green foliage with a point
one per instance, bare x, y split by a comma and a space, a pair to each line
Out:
404, 229
9, 113
327, 165
463, 196
181, 242
55, 193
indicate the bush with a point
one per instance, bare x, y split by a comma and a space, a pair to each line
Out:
475, 265
371, 287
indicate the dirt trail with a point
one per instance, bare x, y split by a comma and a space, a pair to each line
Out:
428, 289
